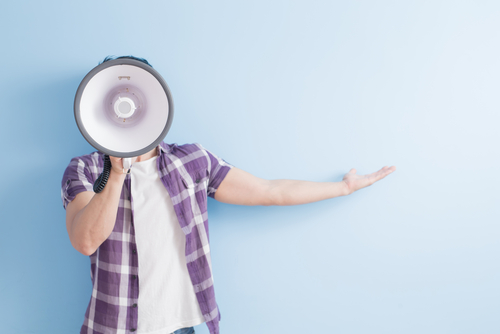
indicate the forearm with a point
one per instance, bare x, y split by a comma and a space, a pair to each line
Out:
293, 192
94, 223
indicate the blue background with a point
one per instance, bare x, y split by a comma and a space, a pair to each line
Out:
284, 90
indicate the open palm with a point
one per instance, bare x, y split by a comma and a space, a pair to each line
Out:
355, 182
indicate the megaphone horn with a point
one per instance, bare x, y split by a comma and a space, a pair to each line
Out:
123, 108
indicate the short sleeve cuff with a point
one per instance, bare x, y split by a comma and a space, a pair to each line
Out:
218, 171
218, 178
75, 180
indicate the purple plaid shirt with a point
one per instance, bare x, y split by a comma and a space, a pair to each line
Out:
189, 173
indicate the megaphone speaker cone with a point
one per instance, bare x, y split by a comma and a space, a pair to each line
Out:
123, 108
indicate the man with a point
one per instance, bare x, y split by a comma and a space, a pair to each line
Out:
147, 231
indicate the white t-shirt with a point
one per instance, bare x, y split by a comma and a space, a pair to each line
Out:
167, 301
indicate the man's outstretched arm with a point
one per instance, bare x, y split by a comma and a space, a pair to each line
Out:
240, 187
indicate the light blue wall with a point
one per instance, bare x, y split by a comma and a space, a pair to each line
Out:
282, 89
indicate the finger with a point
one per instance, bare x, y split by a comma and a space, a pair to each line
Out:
387, 169
384, 172
352, 171
117, 162
375, 176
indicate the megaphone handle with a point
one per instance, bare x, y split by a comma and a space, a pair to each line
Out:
127, 163
101, 181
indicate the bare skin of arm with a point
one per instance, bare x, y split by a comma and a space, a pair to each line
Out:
90, 217
240, 187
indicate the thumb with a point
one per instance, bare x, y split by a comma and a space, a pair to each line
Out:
352, 171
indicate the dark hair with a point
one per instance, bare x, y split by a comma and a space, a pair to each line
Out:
126, 57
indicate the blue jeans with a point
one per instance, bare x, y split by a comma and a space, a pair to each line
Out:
187, 330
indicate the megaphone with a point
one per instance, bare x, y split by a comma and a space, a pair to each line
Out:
123, 108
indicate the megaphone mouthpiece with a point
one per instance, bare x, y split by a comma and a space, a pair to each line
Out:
124, 107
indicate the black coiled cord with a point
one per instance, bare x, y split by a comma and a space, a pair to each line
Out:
101, 181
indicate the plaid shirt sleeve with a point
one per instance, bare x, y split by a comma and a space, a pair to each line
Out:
218, 169
76, 179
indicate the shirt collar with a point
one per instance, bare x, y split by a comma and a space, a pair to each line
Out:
165, 148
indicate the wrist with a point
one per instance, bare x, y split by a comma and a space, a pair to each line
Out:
116, 176
119, 171
346, 190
